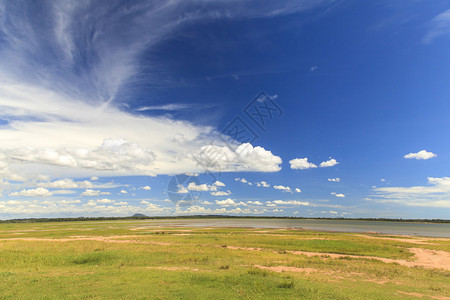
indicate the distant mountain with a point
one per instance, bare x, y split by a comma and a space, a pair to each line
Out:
139, 216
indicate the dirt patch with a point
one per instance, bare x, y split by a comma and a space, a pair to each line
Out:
422, 295
280, 269
419, 241
241, 248
174, 268
423, 258
431, 258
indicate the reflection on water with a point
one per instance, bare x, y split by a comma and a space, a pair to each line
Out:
421, 229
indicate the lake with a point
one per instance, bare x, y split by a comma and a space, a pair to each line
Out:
419, 229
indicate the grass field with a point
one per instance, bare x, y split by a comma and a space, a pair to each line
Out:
141, 260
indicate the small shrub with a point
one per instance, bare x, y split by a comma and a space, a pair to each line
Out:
287, 285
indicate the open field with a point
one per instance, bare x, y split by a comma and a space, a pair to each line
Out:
136, 259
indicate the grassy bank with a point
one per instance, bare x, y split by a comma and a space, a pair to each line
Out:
125, 259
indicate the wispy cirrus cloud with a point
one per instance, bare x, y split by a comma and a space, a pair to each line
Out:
435, 194
64, 81
439, 26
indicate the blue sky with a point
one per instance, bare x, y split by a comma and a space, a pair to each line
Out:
122, 107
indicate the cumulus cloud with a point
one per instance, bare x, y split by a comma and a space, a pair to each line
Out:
201, 187
262, 184
301, 164
227, 202
181, 189
104, 201
329, 163
297, 190
338, 195
243, 180
90, 192
423, 154
254, 202
123, 192
283, 188
75, 208
66, 183
147, 188
244, 158
38, 192
221, 193
219, 183
337, 179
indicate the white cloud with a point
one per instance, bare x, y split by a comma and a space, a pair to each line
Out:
221, 193
123, 192
70, 125
297, 190
283, 188
38, 192
338, 195
192, 174
424, 154
66, 184
201, 187
227, 202
181, 189
436, 194
90, 192
337, 179
104, 201
94, 178
243, 180
121, 203
219, 183
80, 145
383, 180
169, 107
329, 163
439, 26
244, 158
291, 202
254, 202
301, 164
147, 188
262, 184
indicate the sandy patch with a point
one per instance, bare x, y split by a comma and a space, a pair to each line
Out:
280, 269
419, 241
423, 258
422, 295
174, 268
334, 276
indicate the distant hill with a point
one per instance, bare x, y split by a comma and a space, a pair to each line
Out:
139, 216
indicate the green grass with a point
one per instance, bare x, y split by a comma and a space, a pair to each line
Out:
159, 263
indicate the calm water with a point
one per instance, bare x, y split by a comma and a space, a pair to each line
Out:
421, 229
